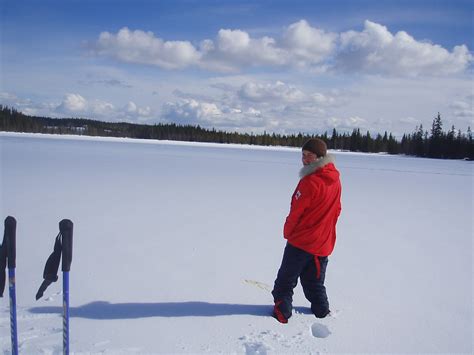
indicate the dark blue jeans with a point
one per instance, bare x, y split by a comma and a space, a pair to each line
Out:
296, 264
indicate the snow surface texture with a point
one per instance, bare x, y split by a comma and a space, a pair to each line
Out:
176, 247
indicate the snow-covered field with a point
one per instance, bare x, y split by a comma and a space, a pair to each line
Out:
176, 245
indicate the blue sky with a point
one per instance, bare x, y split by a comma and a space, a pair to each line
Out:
249, 66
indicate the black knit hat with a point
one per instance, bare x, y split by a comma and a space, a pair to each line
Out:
315, 145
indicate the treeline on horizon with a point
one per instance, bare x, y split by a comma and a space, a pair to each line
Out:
421, 143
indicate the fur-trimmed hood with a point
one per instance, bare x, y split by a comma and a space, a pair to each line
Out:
321, 162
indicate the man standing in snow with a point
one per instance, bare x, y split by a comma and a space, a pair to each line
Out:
310, 231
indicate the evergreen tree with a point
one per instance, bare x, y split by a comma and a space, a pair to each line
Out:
418, 147
436, 148
392, 146
333, 140
437, 127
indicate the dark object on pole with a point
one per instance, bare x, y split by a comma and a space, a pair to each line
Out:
50, 273
62, 247
8, 257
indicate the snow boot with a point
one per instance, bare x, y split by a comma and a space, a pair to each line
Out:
281, 312
320, 312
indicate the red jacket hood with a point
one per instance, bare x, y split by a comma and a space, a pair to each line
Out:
324, 166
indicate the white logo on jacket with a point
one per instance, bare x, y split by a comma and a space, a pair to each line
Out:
297, 194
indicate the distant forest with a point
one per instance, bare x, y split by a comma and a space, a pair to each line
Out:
437, 143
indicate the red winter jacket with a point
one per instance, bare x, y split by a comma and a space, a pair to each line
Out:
315, 208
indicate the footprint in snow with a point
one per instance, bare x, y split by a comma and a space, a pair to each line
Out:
320, 330
255, 348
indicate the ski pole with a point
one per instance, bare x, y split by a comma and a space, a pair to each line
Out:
10, 234
66, 228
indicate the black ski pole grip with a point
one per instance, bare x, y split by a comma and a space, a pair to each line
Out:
65, 228
10, 233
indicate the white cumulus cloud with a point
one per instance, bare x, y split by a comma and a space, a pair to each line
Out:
145, 48
213, 114
234, 49
308, 45
377, 51
188, 111
73, 103
76, 105
131, 107
132, 110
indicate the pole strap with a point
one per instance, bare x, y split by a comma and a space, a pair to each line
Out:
3, 264
51, 268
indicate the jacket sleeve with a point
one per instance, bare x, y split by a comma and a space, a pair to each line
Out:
300, 200
339, 207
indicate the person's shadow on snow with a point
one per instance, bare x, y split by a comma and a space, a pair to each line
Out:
106, 310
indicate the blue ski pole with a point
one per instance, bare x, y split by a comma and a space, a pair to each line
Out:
65, 312
66, 228
10, 234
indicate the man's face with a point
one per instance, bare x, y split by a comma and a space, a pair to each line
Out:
308, 157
